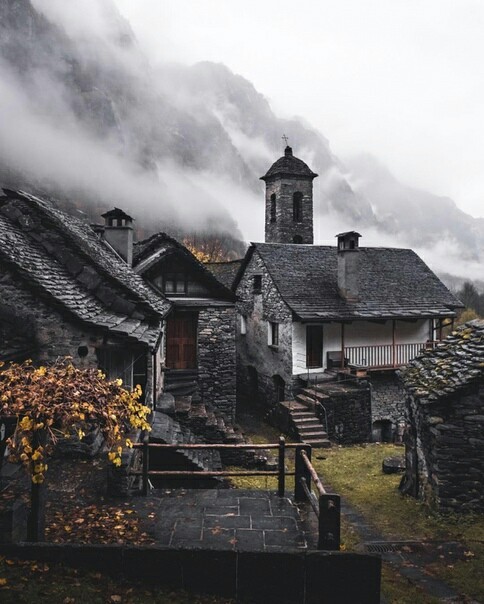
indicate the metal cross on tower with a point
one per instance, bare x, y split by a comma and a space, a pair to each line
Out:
284, 138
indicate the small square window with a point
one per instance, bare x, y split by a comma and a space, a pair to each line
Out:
257, 284
273, 334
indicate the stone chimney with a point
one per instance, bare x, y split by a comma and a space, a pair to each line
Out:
118, 232
348, 273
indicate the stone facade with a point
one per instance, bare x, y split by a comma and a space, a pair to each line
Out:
216, 359
445, 451
254, 354
280, 225
444, 438
54, 334
387, 405
348, 412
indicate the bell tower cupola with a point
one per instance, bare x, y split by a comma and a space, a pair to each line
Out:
289, 201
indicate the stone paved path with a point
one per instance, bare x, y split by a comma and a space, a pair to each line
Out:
227, 519
407, 558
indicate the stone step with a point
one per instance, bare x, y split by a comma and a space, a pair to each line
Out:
315, 393
198, 411
319, 443
303, 421
313, 434
306, 400
183, 404
302, 412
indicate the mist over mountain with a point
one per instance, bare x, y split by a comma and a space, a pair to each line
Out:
85, 118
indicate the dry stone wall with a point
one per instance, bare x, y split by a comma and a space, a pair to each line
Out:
448, 446
216, 359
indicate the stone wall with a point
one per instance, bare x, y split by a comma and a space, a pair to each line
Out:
283, 229
447, 445
54, 333
216, 359
253, 350
348, 412
387, 401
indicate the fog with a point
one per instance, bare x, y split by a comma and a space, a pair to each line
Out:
93, 113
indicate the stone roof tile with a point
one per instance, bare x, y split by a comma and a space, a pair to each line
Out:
455, 363
393, 283
61, 257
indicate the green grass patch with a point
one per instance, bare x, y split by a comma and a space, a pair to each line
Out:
355, 472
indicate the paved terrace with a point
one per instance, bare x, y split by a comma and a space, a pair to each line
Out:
229, 519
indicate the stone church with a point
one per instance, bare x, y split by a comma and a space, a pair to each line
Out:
309, 314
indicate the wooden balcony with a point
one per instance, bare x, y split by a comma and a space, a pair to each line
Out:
385, 356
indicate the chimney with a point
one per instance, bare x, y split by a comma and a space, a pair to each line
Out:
118, 232
348, 248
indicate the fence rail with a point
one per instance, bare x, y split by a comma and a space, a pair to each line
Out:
326, 506
385, 355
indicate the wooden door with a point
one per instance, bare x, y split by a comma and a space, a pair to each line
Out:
314, 346
181, 341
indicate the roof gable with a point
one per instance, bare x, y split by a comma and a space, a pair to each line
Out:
160, 250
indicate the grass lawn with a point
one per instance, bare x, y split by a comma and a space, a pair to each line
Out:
355, 473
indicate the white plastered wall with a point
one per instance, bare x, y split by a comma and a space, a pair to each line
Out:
358, 333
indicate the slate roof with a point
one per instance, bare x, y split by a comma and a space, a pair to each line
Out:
225, 271
147, 254
453, 364
290, 166
393, 283
61, 258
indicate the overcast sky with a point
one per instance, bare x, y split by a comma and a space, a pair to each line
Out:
401, 79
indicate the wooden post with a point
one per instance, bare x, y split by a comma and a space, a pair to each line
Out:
301, 470
281, 483
146, 464
329, 522
36, 520
393, 343
342, 345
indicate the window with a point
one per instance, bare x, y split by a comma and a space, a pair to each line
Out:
175, 283
273, 207
243, 325
297, 239
297, 214
257, 284
273, 334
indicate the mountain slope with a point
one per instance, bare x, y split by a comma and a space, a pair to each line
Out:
87, 119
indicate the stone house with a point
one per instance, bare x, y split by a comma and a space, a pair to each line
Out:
445, 433
65, 292
305, 310
199, 344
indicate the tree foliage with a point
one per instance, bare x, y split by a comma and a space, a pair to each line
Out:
57, 400
471, 298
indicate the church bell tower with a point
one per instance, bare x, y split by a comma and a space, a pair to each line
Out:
289, 201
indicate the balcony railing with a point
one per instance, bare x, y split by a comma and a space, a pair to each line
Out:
385, 355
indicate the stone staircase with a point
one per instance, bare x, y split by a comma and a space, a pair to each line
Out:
306, 423
181, 382
165, 429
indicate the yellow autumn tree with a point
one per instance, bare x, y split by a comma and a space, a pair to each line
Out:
58, 400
